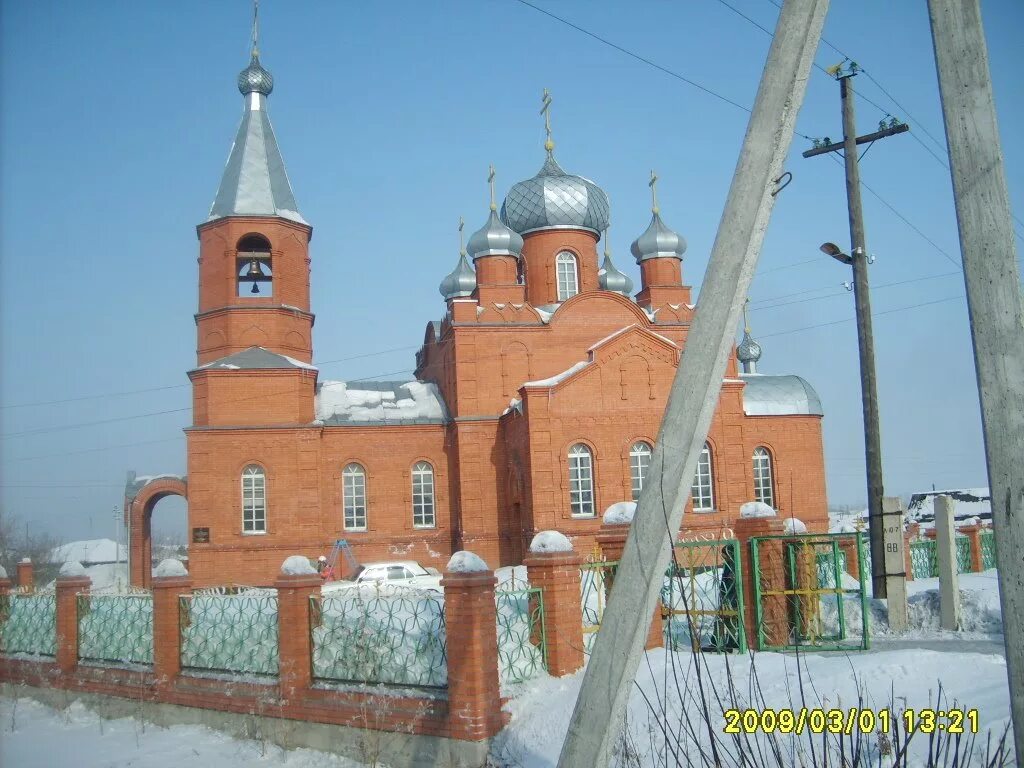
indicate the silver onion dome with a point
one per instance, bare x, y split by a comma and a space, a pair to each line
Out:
494, 239
748, 352
554, 199
255, 79
460, 282
609, 278
658, 242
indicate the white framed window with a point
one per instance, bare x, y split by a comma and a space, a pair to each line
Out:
763, 476
639, 461
353, 493
581, 481
703, 491
423, 495
254, 499
568, 279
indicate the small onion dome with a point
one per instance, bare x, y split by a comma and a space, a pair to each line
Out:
748, 351
255, 79
554, 199
610, 279
460, 282
658, 242
494, 239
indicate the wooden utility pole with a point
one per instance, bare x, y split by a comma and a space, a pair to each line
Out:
994, 301
597, 719
858, 258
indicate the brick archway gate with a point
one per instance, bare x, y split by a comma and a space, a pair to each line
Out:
141, 495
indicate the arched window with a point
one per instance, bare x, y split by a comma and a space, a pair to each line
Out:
254, 277
423, 495
254, 499
763, 476
353, 492
703, 491
581, 481
568, 283
639, 461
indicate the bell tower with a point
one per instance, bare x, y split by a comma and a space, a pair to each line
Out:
254, 246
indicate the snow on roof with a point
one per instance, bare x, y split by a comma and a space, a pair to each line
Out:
91, 551
967, 503
629, 328
379, 402
255, 358
558, 378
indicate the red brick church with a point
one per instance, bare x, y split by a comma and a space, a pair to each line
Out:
536, 400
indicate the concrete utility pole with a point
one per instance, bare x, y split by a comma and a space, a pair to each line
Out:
598, 716
865, 341
994, 301
945, 554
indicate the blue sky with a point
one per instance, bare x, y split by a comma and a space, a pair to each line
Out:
116, 119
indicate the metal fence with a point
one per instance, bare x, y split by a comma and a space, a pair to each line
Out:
116, 628
236, 634
702, 597
380, 634
802, 596
924, 562
596, 577
28, 624
988, 549
963, 554
522, 637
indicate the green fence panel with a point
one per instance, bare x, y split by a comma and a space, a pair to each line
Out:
702, 597
236, 634
596, 578
521, 632
30, 625
380, 634
963, 554
924, 562
988, 549
116, 628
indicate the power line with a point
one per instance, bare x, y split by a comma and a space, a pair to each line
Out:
852, 319
844, 293
96, 450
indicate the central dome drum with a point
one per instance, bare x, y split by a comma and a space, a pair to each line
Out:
554, 199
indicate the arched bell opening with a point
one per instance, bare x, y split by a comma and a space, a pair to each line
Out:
254, 275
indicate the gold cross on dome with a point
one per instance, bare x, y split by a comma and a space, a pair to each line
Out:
462, 248
490, 182
546, 111
653, 184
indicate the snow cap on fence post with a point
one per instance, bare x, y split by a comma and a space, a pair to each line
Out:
3, 572
464, 561
550, 541
754, 509
170, 568
297, 565
71, 569
620, 513
791, 526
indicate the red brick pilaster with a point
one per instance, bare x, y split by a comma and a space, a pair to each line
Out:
612, 540
474, 698
557, 575
5, 600
849, 546
167, 626
774, 615
973, 534
26, 580
67, 589
294, 646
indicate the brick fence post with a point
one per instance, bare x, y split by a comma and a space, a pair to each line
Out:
167, 623
67, 589
294, 640
474, 696
775, 619
26, 579
5, 597
849, 546
973, 534
557, 575
612, 540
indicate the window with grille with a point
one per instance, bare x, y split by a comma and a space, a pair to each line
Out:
254, 500
763, 476
639, 461
703, 492
353, 488
568, 282
423, 495
581, 481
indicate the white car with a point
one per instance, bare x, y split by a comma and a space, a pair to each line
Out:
399, 573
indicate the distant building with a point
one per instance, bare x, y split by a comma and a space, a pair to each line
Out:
968, 504
90, 552
536, 401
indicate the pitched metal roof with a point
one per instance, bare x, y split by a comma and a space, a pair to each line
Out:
779, 396
255, 182
254, 358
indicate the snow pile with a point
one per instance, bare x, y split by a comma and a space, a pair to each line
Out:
25, 560
466, 562
170, 568
297, 565
91, 551
3, 573
550, 541
620, 513
792, 527
756, 509
409, 400
559, 378
72, 568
